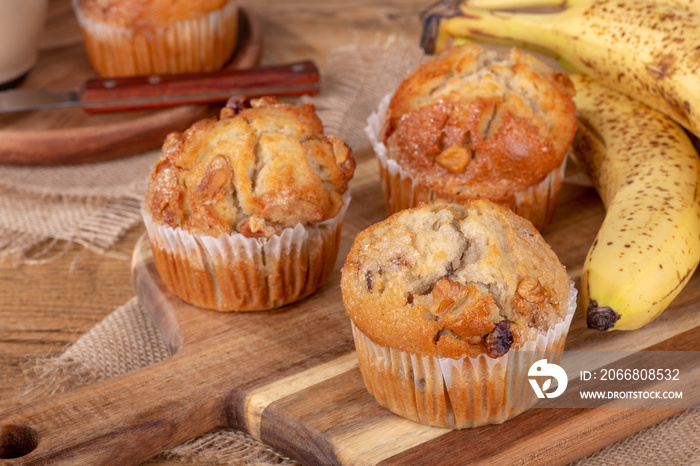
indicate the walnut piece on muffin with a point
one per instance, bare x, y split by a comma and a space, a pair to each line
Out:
255, 170
454, 280
472, 123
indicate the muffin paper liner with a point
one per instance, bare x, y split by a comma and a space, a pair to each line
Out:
193, 45
458, 393
234, 273
536, 203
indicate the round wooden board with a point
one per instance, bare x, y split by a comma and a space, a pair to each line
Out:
70, 135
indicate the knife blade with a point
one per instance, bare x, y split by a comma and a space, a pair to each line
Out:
156, 91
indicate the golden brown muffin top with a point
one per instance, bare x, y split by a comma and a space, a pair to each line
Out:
254, 170
454, 280
471, 123
146, 13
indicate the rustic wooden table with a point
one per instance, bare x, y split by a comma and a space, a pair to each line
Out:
43, 308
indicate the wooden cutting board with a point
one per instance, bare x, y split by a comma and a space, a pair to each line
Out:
70, 135
290, 377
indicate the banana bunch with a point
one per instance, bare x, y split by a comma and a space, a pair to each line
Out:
641, 48
647, 173
690, 5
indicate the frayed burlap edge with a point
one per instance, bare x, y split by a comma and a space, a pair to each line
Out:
225, 447
45, 211
672, 441
96, 226
126, 340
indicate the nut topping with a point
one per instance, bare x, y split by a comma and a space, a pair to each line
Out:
212, 187
256, 227
455, 158
446, 294
531, 290
463, 309
475, 340
233, 106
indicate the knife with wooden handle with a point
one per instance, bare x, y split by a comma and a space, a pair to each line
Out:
156, 91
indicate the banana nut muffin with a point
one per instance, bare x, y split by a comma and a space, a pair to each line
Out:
137, 37
471, 123
244, 211
466, 283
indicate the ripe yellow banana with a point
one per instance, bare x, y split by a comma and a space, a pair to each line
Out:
647, 173
506, 4
690, 5
643, 49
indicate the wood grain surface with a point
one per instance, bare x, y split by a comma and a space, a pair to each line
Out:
290, 378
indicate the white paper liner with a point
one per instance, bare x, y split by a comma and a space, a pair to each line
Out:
234, 273
192, 45
401, 191
458, 393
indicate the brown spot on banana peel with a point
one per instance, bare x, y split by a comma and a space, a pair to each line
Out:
487, 35
681, 283
663, 68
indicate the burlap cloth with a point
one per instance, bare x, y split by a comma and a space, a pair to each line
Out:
93, 205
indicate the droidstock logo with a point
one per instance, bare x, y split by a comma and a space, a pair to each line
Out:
542, 368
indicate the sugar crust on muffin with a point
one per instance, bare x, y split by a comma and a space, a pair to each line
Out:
150, 14
473, 123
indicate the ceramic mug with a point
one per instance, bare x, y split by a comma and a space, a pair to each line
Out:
21, 25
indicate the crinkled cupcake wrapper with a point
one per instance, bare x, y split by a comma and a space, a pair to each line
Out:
194, 45
235, 273
458, 393
401, 190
